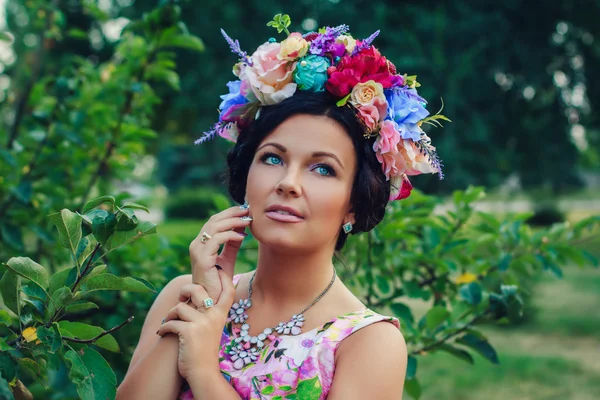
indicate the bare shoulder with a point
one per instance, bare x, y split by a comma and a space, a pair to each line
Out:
371, 363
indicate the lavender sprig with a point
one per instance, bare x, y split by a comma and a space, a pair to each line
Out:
428, 150
235, 48
365, 43
338, 30
211, 133
410, 93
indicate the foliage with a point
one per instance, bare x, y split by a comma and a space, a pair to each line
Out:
466, 266
192, 203
38, 308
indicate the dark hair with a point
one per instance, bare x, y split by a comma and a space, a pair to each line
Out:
370, 192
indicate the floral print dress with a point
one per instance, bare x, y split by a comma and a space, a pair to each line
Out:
292, 367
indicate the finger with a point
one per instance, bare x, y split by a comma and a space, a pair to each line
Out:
227, 294
230, 212
175, 327
228, 224
183, 312
211, 247
197, 293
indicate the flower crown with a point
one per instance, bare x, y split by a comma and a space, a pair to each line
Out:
386, 103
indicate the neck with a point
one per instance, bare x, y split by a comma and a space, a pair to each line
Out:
290, 282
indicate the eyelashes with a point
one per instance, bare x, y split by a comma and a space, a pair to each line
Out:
269, 158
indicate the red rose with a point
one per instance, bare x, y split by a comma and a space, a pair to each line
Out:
367, 65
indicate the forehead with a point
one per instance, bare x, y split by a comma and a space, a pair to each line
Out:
311, 133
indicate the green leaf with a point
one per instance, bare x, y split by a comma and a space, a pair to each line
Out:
411, 368
77, 34
69, 228
480, 345
91, 373
413, 388
97, 201
383, 284
100, 269
80, 306
126, 220
83, 331
103, 227
4, 346
12, 235
436, 316
504, 262
343, 101
50, 337
135, 206
59, 298
309, 389
59, 279
9, 287
85, 248
112, 282
29, 269
124, 237
188, 42
460, 353
403, 312
5, 318
5, 392
471, 292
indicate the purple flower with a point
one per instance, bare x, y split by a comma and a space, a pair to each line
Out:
406, 108
307, 343
325, 42
233, 98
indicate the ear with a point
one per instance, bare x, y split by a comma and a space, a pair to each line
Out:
350, 217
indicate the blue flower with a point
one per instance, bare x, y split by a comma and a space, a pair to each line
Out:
233, 98
311, 73
406, 108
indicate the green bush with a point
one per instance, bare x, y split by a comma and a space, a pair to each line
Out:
191, 203
546, 216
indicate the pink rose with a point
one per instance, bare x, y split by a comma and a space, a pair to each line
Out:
392, 163
372, 113
388, 139
270, 79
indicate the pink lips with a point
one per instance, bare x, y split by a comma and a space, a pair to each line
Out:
290, 214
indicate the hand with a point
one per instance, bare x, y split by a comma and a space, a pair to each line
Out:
226, 228
199, 329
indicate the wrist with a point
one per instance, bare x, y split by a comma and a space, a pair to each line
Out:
204, 374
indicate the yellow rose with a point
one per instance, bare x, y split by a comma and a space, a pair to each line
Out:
364, 94
292, 48
348, 41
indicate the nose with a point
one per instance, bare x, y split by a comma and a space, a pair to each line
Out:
290, 184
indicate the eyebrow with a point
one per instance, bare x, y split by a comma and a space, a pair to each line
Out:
314, 155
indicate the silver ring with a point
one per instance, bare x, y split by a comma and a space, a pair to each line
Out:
208, 303
205, 237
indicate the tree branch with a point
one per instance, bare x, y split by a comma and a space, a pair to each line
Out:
92, 340
448, 336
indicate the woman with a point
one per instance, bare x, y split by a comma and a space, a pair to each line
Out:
326, 132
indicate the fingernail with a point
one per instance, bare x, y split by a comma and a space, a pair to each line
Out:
157, 331
245, 206
163, 321
246, 218
217, 266
244, 234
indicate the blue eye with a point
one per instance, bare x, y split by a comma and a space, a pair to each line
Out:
324, 170
271, 159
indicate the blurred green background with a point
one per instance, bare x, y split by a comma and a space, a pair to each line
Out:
519, 79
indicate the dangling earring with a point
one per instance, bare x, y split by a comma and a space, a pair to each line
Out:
245, 206
347, 227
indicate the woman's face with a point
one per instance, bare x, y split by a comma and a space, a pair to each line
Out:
300, 182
